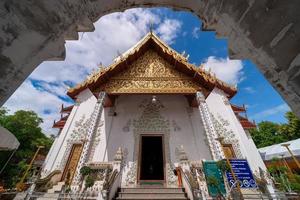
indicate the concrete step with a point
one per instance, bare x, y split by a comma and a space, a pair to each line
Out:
152, 190
150, 198
56, 188
152, 195
53, 193
49, 196
249, 197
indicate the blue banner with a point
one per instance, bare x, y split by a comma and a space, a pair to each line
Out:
242, 172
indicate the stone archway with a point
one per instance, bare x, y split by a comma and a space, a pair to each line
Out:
266, 32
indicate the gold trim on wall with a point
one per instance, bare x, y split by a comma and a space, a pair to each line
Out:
229, 151
151, 74
72, 163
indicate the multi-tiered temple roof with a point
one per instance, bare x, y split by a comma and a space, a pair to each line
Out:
151, 67
170, 73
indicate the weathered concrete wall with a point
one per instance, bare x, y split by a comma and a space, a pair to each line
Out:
264, 31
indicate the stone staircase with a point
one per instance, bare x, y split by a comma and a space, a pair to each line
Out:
160, 193
53, 193
253, 194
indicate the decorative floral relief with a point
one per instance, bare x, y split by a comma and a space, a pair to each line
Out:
131, 174
175, 126
96, 139
171, 178
79, 133
77, 136
95, 189
151, 74
90, 133
209, 127
151, 121
221, 126
201, 178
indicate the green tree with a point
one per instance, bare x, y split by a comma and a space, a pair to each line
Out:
267, 133
25, 125
291, 130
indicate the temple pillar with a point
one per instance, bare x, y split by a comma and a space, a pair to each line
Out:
210, 131
94, 121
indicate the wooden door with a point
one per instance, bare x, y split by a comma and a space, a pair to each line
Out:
72, 163
228, 151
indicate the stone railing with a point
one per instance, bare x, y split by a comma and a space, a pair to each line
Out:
42, 184
106, 176
194, 176
192, 173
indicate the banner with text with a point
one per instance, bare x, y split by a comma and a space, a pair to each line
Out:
242, 172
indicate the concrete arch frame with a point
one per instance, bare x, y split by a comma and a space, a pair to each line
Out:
265, 31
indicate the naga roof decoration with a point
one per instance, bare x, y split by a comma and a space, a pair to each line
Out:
67, 109
246, 124
190, 79
238, 109
60, 123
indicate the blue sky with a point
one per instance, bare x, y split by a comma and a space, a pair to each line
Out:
44, 90
262, 100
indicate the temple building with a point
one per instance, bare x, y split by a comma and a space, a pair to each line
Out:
150, 120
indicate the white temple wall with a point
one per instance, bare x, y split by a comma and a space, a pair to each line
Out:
220, 106
81, 111
202, 138
57, 146
101, 154
50, 158
185, 128
191, 133
255, 155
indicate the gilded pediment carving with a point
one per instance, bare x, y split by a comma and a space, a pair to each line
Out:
151, 66
151, 74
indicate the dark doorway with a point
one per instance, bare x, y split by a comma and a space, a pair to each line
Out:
152, 162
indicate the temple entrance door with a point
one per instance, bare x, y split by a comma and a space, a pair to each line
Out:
151, 159
72, 162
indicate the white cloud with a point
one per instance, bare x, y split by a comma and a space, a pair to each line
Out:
196, 32
113, 33
168, 30
229, 71
27, 97
282, 108
249, 90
